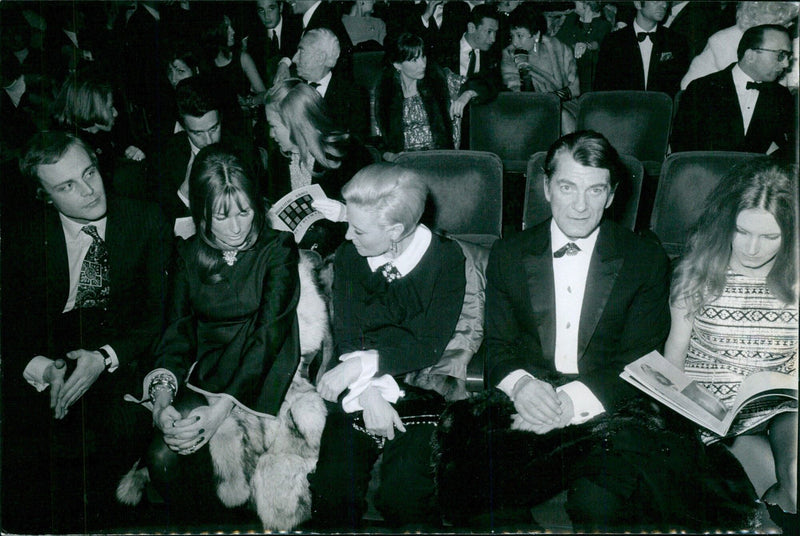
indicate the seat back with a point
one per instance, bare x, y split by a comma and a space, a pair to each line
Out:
514, 126
466, 189
626, 198
686, 180
635, 122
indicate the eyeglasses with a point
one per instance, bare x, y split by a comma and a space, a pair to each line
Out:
781, 54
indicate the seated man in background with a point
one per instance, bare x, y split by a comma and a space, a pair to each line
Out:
643, 56
82, 304
742, 107
315, 62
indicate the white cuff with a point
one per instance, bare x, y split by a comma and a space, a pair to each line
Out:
507, 384
584, 403
113, 355
34, 372
386, 385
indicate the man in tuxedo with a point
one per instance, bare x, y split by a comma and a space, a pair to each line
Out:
643, 55
569, 303
315, 62
435, 21
201, 116
742, 107
697, 21
82, 305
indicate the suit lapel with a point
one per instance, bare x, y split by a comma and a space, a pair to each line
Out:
731, 102
57, 261
604, 268
541, 290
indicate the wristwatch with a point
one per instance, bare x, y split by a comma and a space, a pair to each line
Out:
107, 362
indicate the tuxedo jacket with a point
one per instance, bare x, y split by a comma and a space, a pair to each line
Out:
487, 81
698, 21
36, 287
625, 311
709, 117
265, 55
408, 18
325, 16
347, 103
619, 63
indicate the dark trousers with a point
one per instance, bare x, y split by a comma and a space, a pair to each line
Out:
339, 483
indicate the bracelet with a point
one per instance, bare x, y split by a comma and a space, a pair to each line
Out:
161, 382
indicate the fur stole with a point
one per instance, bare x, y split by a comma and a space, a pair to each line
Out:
263, 461
694, 487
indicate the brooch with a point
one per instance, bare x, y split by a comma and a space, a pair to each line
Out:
230, 256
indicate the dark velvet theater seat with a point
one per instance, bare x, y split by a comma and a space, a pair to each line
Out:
466, 187
367, 69
623, 210
685, 182
635, 122
514, 126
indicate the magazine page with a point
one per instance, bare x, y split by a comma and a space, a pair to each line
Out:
659, 378
294, 213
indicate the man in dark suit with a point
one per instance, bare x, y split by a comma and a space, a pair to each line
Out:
201, 116
643, 55
697, 21
742, 107
316, 62
435, 21
82, 304
272, 37
569, 303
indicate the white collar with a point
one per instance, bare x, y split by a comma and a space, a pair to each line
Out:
277, 29
740, 78
310, 13
72, 229
152, 11
73, 36
466, 47
194, 148
410, 257
16, 90
637, 29
558, 239
323, 83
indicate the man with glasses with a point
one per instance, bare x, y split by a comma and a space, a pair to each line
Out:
742, 107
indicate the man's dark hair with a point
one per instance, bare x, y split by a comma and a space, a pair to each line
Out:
483, 11
588, 148
196, 96
754, 37
48, 147
531, 20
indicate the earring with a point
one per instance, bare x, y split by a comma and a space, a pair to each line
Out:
394, 248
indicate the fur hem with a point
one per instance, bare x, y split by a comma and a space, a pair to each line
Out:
131, 486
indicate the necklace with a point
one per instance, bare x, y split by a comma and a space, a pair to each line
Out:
230, 256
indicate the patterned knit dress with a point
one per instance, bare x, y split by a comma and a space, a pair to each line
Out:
746, 330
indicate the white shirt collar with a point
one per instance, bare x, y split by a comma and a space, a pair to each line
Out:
152, 11
465, 46
72, 36
637, 28
740, 79
72, 229
16, 90
410, 257
310, 13
277, 29
194, 148
558, 239
323, 83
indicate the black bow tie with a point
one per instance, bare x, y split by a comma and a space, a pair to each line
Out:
641, 36
758, 86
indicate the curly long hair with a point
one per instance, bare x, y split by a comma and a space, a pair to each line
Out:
760, 184
219, 184
303, 111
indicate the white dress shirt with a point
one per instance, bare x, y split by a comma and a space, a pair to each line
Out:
645, 48
747, 97
463, 57
569, 280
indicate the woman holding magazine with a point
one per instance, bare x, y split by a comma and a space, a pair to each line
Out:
735, 312
316, 151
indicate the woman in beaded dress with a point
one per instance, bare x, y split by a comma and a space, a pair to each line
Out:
413, 100
317, 152
734, 312
231, 345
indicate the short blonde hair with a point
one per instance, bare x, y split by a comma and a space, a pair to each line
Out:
749, 14
394, 193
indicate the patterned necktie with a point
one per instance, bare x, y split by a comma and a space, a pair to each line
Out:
471, 66
389, 272
570, 249
94, 285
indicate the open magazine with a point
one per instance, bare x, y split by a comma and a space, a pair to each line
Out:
662, 380
294, 213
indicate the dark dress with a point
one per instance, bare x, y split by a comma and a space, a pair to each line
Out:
237, 337
409, 322
574, 31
